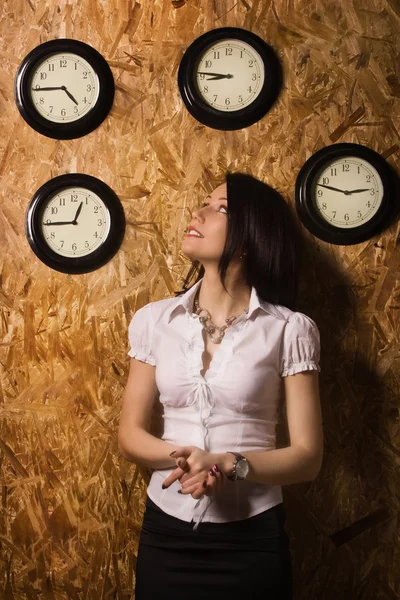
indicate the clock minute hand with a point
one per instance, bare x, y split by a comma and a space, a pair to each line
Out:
329, 187
59, 223
46, 89
215, 76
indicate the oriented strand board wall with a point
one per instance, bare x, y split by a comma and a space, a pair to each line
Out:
71, 508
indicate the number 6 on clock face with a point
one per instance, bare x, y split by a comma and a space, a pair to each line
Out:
75, 223
229, 78
64, 89
346, 193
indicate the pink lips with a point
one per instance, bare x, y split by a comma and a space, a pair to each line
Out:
190, 228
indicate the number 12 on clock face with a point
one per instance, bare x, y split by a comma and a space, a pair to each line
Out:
75, 223
348, 192
345, 193
229, 78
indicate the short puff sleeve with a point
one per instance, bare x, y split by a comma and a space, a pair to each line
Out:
301, 345
139, 334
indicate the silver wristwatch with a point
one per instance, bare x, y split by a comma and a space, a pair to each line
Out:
240, 467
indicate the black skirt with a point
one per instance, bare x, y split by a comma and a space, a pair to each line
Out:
218, 561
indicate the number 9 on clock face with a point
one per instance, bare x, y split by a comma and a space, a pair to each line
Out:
345, 193
348, 192
75, 223
229, 78
243, 74
64, 89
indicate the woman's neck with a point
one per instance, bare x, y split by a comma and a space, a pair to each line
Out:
218, 302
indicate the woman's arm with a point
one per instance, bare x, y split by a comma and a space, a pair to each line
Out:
134, 441
301, 461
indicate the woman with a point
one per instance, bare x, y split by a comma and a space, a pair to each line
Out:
221, 354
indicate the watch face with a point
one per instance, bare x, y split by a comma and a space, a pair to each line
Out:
64, 89
230, 75
346, 193
75, 223
229, 78
242, 468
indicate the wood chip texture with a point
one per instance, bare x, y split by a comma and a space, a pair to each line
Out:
71, 508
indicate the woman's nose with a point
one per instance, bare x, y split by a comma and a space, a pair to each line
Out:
197, 214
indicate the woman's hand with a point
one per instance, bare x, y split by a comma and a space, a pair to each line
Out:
198, 471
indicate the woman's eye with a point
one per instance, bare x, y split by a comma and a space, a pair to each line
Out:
222, 206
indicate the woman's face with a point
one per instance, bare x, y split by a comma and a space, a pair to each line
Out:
211, 221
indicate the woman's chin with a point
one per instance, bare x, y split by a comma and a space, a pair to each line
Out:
188, 251
190, 255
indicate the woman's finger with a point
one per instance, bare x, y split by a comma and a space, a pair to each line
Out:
174, 476
196, 490
183, 463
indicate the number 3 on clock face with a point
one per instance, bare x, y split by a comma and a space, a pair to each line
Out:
345, 193
348, 192
240, 76
64, 89
75, 223
229, 78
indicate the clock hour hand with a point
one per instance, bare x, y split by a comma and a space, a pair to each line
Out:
68, 94
51, 89
215, 76
78, 212
357, 191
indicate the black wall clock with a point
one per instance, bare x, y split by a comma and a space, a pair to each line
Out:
346, 193
64, 89
229, 78
75, 223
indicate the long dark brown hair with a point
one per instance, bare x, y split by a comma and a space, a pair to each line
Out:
261, 224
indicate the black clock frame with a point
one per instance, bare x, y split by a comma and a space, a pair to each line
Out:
89, 121
212, 117
305, 202
81, 264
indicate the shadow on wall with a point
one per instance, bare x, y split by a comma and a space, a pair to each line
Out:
346, 517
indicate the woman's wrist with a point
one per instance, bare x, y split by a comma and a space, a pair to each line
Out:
225, 463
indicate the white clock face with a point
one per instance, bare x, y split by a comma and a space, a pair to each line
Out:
230, 75
348, 192
64, 87
75, 222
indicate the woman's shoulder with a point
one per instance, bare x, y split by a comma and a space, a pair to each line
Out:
294, 319
155, 309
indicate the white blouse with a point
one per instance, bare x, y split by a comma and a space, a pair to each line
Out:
234, 406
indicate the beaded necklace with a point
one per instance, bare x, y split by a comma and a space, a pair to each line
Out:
208, 325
